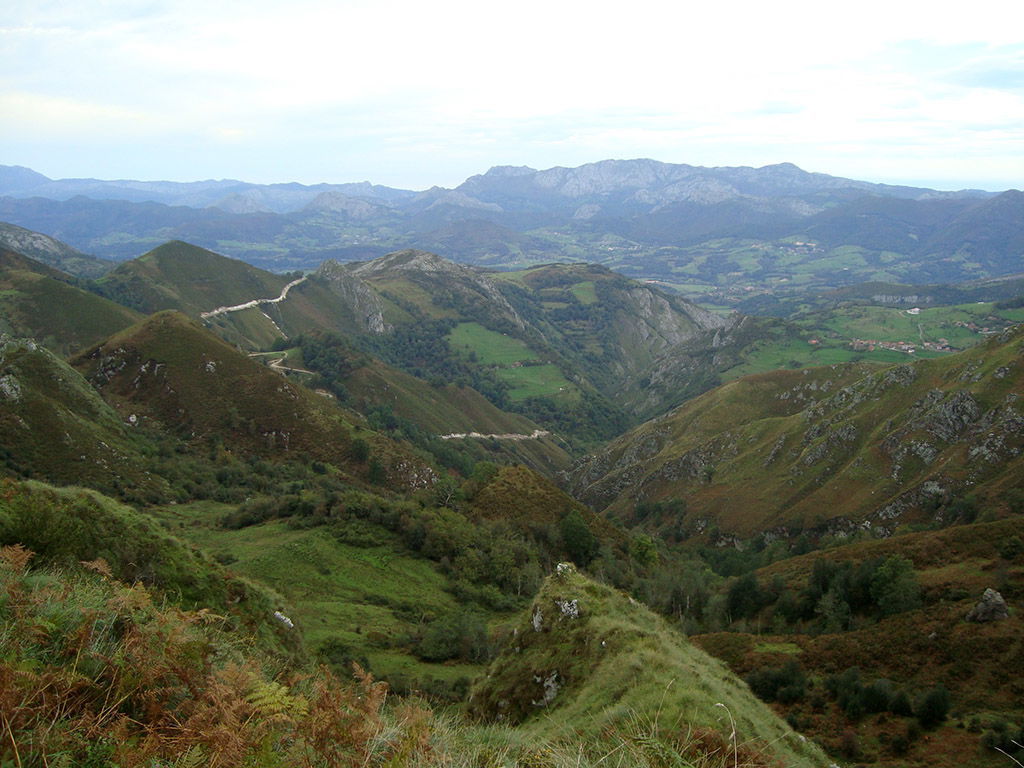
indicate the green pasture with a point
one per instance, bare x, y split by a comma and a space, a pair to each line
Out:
536, 381
490, 347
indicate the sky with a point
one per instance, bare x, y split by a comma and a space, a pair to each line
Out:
414, 94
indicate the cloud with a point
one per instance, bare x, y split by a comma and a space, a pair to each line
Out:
429, 89
46, 115
1001, 69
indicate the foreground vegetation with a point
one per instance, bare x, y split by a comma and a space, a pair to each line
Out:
99, 673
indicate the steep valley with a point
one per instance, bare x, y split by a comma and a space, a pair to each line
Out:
555, 599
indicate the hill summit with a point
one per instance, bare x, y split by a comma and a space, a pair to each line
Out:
586, 655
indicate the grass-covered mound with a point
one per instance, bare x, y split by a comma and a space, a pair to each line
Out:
49, 306
188, 278
587, 659
170, 373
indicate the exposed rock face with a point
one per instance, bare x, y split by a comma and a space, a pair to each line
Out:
430, 269
873, 448
10, 389
992, 607
537, 620
365, 304
551, 686
37, 246
570, 609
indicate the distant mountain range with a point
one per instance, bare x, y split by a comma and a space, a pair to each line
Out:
684, 225
643, 183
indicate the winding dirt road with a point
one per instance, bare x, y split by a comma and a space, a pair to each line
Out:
254, 302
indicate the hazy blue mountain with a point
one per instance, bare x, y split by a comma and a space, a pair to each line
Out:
16, 181
680, 224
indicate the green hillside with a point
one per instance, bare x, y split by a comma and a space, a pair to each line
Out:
173, 375
56, 427
826, 449
44, 304
459, 416
187, 278
586, 657
373, 456
64, 527
807, 630
553, 343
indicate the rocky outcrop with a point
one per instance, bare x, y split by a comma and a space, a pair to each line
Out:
436, 274
363, 301
991, 607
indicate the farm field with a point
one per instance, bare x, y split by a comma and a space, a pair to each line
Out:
516, 363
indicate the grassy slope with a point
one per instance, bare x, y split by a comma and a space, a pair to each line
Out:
180, 276
171, 370
192, 279
359, 599
452, 409
173, 374
799, 449
64, 318
56, 427
618, 660
63, 526
39, 302
589, 328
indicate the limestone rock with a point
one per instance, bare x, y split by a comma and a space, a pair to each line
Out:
992, 607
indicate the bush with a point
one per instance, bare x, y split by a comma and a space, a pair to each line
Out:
877, 697
1004, 737
580, 543
848, 691
461, 635
934, 707
787, 683
900, 704
894, 586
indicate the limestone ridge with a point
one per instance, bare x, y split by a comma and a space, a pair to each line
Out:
637, 211
413, 263
837, 447
652, 183
51, 251
584, 653
354, 292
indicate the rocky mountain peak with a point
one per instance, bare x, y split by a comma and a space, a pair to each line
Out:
509, 171
334, 201
409, 260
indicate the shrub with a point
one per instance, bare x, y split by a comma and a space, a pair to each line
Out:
877, 697
934, 707
461, 635
579, 542
894, 586
786, 683
900, 704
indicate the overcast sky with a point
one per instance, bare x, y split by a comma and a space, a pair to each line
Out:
411, 93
